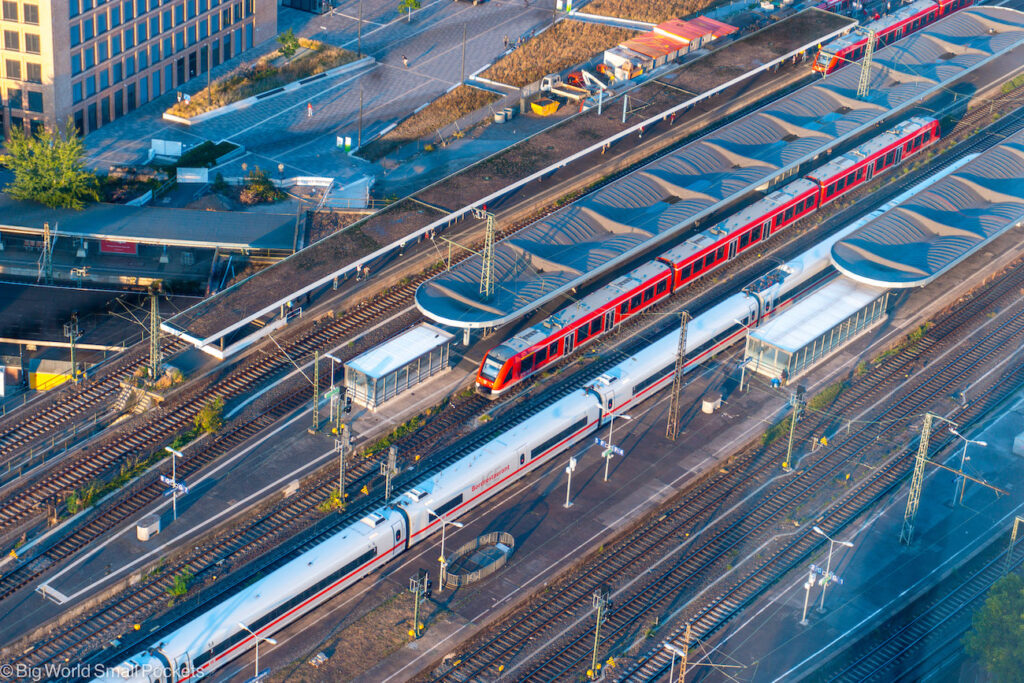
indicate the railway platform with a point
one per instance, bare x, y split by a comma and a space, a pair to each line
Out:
879, 574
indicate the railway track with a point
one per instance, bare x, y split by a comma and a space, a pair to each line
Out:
676, 525
935, 624
25, 430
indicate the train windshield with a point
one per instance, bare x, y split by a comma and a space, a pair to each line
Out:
492, 364
824, 58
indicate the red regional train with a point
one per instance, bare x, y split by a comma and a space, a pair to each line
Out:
900, 24
560, 334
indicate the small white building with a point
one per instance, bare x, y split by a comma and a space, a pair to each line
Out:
402, 362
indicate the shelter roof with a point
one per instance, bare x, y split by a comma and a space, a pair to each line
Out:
234, 230
919, 240
815, 315
665, 198
399, 351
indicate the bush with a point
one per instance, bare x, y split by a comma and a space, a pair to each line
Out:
652, 12
209, 418
259, 190
289, 43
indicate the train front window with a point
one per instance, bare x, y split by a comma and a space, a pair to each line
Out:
491, 368
824, 58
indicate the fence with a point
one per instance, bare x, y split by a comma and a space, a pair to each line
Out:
494, 538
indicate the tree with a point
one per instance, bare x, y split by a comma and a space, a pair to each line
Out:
996, 638
49, 168
408, 5
209, 419
289, 43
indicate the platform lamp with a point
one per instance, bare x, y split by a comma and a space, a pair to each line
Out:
175, 454
611, 444
443, 574
960, 485
828, 564
258, 639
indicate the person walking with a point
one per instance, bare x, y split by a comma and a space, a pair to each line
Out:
405, 61
506, 41
309, 110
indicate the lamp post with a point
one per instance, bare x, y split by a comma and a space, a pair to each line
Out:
960, 483
443, 573
808, 585
258, 639
569, 469
174, 477
828, 564
333, 361
611, 444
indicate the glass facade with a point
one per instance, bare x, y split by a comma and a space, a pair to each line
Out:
371, 392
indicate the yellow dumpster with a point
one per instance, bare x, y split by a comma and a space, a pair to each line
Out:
544, 106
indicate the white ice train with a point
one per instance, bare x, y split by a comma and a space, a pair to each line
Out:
214, 638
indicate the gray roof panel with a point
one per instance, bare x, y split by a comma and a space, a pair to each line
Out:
922, 238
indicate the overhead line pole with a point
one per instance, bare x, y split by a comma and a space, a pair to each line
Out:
672, 427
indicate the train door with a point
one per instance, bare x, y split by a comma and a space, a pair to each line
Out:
899, 156
570, 340
766, 229
609, 319
732, 250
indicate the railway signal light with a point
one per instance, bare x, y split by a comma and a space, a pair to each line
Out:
348, 404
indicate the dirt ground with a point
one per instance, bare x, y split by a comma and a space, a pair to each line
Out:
653, 12
446, 109
359, 645
329, 222
566, 43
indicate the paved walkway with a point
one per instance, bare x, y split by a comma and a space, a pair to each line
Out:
279, 131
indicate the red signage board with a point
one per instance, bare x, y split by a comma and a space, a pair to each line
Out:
112, 247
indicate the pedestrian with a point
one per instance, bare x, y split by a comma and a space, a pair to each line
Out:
405, 60
309, 110
506, 41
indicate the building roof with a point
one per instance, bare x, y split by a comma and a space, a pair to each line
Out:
234, 230
399, 351
919, 240
654, 45
812, 317
665, 198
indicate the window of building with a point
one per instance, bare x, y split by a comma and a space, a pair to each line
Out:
129, 39
214, 23
153, 4
167, 51
101, 23
154, 26
14, 98
179, 14
35, 101
129, 11
30, 14
214, 3
115, 17
140, 7
76, 92
74, 9
191, 6
115, 46
10, 11
225, 18
36, 127
14, 69
101, 52
80, 122
237, 11
179, 41
33, 72
191, 31
104, 79
87, 29
165, 23
250, 7
118, 70
90, 86
90, 58
154, 53
17, 122
140, 33
32, 43
76, 64
11, 41
129, 65
143, 60
76, 35
202, 30
202, 6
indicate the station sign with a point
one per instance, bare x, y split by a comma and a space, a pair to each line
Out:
179, 485
608, 447
831, 576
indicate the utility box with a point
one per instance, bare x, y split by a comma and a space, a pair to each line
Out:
711, 403
148, 527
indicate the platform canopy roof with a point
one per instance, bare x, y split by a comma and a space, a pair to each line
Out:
190, 228
399, 351
815, 315
922, 238
665, 198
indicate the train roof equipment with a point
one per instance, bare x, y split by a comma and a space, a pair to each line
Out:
662, 199
922, 238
